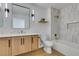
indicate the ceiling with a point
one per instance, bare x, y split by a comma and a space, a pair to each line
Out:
54, 5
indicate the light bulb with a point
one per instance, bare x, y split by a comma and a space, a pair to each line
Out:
33, 16
6, 13
6, 5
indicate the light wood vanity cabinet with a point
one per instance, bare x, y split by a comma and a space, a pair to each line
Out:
5, 46
18, 44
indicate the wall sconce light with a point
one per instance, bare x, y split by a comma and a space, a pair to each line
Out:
6, 10
33, 15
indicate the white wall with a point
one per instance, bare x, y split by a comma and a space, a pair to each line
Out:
68, 15
48, 14
66, 45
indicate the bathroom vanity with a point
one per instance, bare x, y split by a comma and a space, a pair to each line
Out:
15, 26
15, 45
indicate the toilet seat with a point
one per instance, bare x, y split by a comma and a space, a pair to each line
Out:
48, 43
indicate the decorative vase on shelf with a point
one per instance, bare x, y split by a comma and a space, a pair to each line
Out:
43, 20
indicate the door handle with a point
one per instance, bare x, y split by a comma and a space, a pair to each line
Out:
9, 43
23, 40
32, 39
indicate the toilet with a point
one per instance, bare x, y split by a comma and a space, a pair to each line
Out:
47, 44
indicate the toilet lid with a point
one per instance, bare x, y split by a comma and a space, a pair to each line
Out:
48, 43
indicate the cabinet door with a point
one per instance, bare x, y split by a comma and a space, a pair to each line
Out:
27, 43
35, 43
5, 46
16, 43
22, 46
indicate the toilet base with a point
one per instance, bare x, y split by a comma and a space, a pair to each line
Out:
48, 50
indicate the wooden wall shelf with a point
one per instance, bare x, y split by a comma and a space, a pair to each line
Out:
42, 21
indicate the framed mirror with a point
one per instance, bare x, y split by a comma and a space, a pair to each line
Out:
20, 17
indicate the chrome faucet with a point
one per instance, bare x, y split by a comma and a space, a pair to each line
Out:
21, 31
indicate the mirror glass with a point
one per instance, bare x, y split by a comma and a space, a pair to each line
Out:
1, 18
20, 16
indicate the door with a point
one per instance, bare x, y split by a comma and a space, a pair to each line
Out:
5, 46
16, 43
35, 43
21, 45
27, 43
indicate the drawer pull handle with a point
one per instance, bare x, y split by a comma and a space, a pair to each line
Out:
32, 39
23, 40
9, 43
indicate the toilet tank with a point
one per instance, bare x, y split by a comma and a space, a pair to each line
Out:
43, 37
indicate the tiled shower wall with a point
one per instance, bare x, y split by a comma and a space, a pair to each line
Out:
70, 24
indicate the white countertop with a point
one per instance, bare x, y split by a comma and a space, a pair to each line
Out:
10, 35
